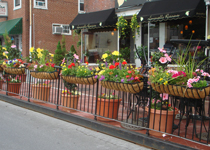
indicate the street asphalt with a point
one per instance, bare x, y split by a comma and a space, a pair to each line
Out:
23, 129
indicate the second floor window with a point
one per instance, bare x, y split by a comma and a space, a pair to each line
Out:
40, 4
81, 5
17, 4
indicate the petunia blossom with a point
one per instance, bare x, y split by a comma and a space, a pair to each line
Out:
13, 46
162, 50
164, 96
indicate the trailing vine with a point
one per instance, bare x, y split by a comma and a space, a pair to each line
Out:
122, 25
134, 25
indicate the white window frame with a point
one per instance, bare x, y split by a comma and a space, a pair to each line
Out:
17, 7
40, 7
62, 25
80, 11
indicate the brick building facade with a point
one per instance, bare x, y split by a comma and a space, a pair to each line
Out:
44, 15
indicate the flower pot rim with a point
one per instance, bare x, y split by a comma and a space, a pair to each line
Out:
164, 112
122, 82
102, 99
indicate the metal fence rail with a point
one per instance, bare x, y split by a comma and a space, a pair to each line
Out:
189, 119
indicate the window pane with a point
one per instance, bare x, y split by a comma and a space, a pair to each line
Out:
65, 29
17, 3
81, 6
40, 2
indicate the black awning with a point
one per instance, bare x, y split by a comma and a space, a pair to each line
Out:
165, 10
99, 19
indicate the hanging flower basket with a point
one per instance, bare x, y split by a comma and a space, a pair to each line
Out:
44, 75
80, 80
182, 91
17, 71
126, 87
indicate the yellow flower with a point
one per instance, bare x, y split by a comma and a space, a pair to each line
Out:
131, 66
50, 60
104, 56
38, 50
97, 69
103, 68
32, 49
91, 72
116, 53
4, 63
6, 56
165, 82
4, 48
101, 72
52, 55
102, 64
96, 73
160, 79
39, 55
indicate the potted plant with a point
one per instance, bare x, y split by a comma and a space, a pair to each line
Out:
161, 115
3, 56
108, 106
185, 81
134, 25
119, 76
122, 25
69, 99
13, 85
125, 53
42, 66
41, 90
77, 73
14, 66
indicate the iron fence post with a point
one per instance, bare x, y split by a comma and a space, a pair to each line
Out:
96, 100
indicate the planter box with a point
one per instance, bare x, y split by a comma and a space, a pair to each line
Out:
108, 108
70, 101
14, 88
80, 80
41, 92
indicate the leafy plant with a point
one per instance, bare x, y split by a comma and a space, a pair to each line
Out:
122, 25
111, 57
70, 56
125, 53
59, 54
134, 25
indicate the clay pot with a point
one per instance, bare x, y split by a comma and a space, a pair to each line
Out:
70, 101
41, 92
108, 108
14, 88
161, 125
1, 83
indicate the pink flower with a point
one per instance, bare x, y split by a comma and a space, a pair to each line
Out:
167, 57
153, 101
201, 71
47, 81
197, 70
6, 52
172, 71
164, 96
161, 50
41, 66
35, 66
158, 101
63, 61
13, 46
189, 85
76, 56
163, 60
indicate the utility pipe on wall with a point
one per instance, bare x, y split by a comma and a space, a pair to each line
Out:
30, 23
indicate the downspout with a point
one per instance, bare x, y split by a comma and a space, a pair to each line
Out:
30, 25
148, 41
207, 21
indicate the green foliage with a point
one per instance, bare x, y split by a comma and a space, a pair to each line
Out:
125, 53
70, 55
134, 25
58, 57
122, 25
63, 45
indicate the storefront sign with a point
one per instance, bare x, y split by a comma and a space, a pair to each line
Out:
162, 17
3, 9
86, 26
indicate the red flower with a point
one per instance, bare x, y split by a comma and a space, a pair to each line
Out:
87, 63
169, 105
116, 64
73, 64
111, 67
127, 76
70, 66
129, 71
124, 62
8, 79
52, 65
47, 64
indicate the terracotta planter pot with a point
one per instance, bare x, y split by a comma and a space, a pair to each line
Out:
1, 83
70, 101
41, 92
155, 120
14, 88
23, 78
108, 108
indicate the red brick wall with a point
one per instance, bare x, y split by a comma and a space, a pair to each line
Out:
59, 11
97, 5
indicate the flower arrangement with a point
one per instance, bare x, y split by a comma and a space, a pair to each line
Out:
119, 72
70, 92
134, 25
42, 82
108, 96
42, 60
161, 58
122, 25
16, 79
15, 63
111, 57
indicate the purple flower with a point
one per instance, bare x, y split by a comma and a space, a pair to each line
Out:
120, 66
132, 78
81, 60
129, 80
122, 80
113, 62
96, 77
106, 64
116, 75
102, 78
91, 68
74, 60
